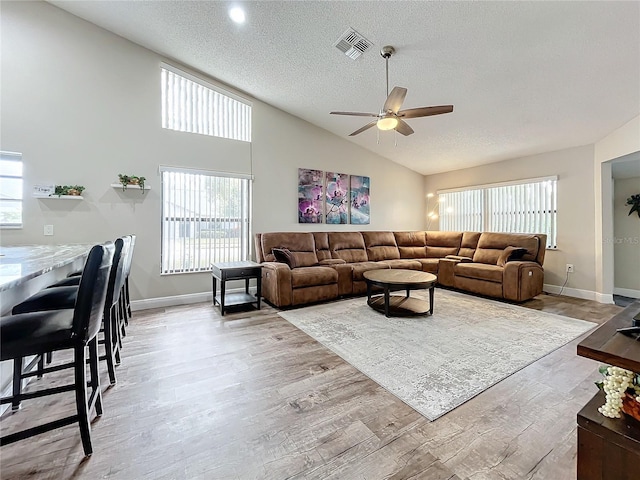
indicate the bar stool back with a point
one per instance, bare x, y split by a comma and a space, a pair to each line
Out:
37, 333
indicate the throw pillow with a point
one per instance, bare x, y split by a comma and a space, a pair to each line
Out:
284, 255
509, 254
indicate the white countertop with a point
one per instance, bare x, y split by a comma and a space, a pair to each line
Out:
21, 263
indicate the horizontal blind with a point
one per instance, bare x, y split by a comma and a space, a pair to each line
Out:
190, 106
205, 219
525, 207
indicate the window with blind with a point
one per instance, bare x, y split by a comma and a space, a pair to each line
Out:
205, 219
529, 206
191, 105
10, 190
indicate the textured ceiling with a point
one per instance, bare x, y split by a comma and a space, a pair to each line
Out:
525, 77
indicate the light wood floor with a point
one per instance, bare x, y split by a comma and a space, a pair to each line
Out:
249, 396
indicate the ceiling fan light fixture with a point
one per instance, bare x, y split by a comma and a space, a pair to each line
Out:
387, 123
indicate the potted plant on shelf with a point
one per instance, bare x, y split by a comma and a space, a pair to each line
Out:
71, 190
126, 180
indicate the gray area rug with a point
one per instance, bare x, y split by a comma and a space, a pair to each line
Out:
435, 364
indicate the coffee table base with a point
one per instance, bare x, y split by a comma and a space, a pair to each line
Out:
400, 306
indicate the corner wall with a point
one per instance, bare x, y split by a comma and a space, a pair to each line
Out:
622, 141
576, 203
82, 105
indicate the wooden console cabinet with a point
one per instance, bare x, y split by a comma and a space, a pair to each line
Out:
609, 449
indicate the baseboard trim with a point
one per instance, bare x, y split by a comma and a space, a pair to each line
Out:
161, 302
627, 292
579, 293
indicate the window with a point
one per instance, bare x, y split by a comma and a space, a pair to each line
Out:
528, 206
192, 105
10, 190
205, 219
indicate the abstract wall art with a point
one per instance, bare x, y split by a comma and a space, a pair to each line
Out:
309, 195
336, 198
359, 200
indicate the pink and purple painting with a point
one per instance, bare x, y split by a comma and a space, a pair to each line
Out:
360, 213
309, 195
337, 197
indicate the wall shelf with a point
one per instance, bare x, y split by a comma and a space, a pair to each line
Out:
130, 187
62, 197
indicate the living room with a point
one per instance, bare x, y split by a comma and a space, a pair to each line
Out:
91, 99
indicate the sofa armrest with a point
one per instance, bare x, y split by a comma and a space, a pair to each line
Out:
276, 283
331, 261
522, 280
345, 278
446, 268
459, 258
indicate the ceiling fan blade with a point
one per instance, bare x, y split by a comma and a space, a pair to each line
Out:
395, 99
366, 127
425, 111
403, 128
355, 114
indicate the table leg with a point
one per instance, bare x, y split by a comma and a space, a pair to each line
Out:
259, 288
368, 293
222, 282
214, 287
407, 296
386, 300
246, 285
431, 290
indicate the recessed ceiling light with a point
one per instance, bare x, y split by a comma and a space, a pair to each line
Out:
237, 14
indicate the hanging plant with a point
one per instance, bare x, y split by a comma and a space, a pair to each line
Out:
634, 201
126, 180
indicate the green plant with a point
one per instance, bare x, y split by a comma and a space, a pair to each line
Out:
634, 201
126, 180
69, 190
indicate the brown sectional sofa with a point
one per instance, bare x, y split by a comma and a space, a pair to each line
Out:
329, 265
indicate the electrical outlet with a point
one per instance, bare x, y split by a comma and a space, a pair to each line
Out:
48, 230
569, 267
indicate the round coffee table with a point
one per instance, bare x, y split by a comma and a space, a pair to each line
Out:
398, 279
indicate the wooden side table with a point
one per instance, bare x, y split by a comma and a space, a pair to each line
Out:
225, 271
609, 449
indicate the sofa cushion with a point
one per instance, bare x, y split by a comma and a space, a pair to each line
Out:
349, 246
509, 254
491, 246
411, 244
405, 263
469, 244
322, 245
284, 255
313, 276
429, 265
380, 246
479, 271
441, 244
301, 245
361, 267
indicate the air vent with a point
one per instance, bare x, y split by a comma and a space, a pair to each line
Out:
352, 44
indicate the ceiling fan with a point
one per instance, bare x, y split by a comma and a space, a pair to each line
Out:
391, 117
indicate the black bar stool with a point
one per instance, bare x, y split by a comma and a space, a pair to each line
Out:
57, 298
40, 332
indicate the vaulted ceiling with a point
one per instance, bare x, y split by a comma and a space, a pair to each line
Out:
524, 77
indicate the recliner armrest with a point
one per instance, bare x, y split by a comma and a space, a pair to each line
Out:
459, 258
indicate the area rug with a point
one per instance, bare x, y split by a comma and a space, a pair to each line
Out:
436, 363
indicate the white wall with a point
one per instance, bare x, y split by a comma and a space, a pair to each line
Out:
83, 105
619, 143
576, 202
626, 234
